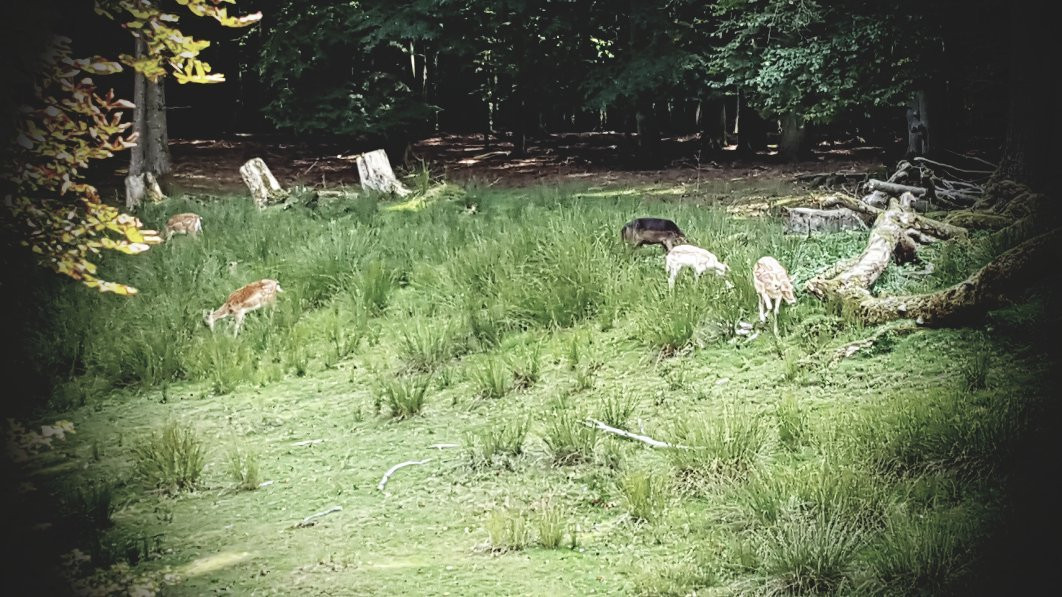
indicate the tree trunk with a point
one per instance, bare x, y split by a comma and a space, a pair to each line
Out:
711, 123
151, 155
916, 134
750, 128
793, 144
1033, 111
648, 138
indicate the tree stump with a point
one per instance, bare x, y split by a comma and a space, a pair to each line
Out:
141, 188
376, 174
263, 185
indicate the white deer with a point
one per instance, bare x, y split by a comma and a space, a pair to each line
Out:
698, 259
244, 300
187, 223
772, 283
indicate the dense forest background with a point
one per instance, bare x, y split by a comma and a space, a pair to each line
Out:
732, 74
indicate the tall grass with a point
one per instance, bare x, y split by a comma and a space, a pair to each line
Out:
545, 259
568, 440
171, 459
404, 396
498, 444
724, 445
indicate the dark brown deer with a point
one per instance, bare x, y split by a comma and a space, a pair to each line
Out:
652, 231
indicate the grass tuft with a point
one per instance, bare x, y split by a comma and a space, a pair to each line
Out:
404, 396
170, 460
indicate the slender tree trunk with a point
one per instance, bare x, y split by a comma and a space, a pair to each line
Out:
149, 160
648, 129
750, 128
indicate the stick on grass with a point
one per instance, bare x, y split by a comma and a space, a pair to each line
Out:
394, 469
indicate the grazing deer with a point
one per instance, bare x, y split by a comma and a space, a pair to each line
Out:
772, 283
246, 299
652, 231
693, 257
188, 223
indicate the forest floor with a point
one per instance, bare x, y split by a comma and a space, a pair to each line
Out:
495, 320
212, 165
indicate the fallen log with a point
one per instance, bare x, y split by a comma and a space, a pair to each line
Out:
988, 288
887, 238
878, 198
978, 220
807, 220
894, 189
993, 286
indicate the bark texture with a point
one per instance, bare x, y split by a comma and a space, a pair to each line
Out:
896, 235
263, 185
151, 154
376, 174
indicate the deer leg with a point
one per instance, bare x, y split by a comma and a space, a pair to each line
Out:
672, 274
774, 320
759, 303
239, 322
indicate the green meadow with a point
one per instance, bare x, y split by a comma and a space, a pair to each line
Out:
477, 330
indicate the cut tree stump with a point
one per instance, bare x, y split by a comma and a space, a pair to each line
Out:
376, 174
263, 185
140, 189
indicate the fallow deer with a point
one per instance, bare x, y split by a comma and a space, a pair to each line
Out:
244, 300
652, 231
772, 283
187, 223
700, 260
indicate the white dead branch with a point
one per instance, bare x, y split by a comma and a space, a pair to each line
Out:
308, 442
645, 439
309, 520
263, 185
395, 468
376, 174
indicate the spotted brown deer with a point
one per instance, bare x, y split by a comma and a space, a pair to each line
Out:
187, 223
244, 300
772, 283
696, 258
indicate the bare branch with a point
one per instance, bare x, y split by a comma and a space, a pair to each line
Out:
309, 520
645, 439
395, 468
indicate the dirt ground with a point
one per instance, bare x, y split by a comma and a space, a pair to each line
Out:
211, 165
